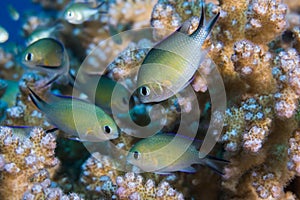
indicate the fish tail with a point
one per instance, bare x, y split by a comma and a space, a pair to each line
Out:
211, 23
202, 16
99, 7
204, 28
216, 164
38, 102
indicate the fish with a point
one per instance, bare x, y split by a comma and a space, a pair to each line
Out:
47, 55
149, 155
81, 120
100, 89
77, 13
3, 35
14, 14
171, 64
45, 32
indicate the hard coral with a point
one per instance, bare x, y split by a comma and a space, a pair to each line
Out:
98, 176
266, 16
43, 188
287, 73
249, 125
294, 153
253, 65
22, 157
267, 185
132, 186
136, 12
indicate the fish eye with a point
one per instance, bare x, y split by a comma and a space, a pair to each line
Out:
144, 91
107, 129
70, 13
136, 155
124, 100
28, 57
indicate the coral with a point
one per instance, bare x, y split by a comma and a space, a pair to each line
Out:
43, 189
253, 66
10, 69
234, 126
98, 176
164, 19
55, 5
25, 112
286, 71
296, 33
294, 153
23, 155
267, 17
126, 64
132, 186
249, 125
267, 185
132, 12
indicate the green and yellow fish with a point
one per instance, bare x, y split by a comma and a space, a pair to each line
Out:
81, 120
100, 89
14, 14
47, 55
171, 64
77, 13
157, 154
40, 33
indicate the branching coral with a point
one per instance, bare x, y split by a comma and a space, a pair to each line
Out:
9, 68
132, 186
22, 157
249, 125
294, 153
132, 12
42, 189
267, 16
25, 112
253, 66
98, 176
287, 73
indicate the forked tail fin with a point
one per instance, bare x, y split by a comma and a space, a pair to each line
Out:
216, 164
204, 28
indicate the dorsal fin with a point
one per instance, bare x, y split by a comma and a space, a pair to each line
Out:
202, 16
184, 28
204, 29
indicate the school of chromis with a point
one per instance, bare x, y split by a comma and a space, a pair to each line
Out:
112, 99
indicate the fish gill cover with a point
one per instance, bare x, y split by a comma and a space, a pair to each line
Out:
231, 103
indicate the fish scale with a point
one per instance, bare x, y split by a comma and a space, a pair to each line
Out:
165, 153
170, 65
77, 118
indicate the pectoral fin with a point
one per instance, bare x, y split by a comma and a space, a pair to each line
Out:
189, 169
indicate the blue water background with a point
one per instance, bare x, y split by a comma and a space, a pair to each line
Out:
14, 28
